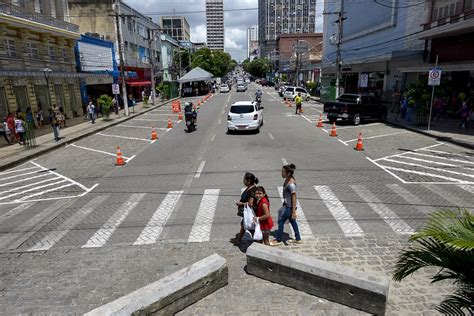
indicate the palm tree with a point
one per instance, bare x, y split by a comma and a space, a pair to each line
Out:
447, 242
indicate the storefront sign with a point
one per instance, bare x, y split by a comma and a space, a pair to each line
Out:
364, 80
434, 77
115, 88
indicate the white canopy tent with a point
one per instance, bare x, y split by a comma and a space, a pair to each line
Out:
196, 74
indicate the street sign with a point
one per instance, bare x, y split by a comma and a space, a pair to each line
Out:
115, 88
434, 77
364, 80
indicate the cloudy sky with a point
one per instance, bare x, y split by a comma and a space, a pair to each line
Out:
235, 22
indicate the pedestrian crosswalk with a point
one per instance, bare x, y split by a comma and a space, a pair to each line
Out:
348, 210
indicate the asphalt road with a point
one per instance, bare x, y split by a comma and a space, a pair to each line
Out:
182, 187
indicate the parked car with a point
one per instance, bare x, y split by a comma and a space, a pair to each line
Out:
292, 92
355, 108
224, 88
241, 87
245, 116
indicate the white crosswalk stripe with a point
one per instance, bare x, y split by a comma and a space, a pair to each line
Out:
303, 225
103, 234
201, 230
391, 218
53, 237
155, 225
343, 218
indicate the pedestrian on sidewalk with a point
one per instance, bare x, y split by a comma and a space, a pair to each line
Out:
288, 210
53, 118
298, 102
247, 197
5, 131
11, 127
115, 105
465, 113
20, 129
263, 216
62, 117
40, 118
29, 117
91, 110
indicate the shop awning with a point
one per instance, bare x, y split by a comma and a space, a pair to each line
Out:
138, 83
444, 67
196, 74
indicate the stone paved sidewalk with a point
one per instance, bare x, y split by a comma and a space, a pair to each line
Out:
75, 281
16, 154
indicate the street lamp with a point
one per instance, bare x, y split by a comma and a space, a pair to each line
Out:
47, 75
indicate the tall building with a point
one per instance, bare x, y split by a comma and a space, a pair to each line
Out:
140, 41
177, 27
277, 17
252, 41
37, 64
215, 24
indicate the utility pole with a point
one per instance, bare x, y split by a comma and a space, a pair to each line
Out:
152, 59
340, 28
120, 50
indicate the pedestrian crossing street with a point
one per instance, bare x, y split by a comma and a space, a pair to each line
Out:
175, 216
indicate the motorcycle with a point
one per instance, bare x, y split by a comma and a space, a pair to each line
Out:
258, 99
190, 118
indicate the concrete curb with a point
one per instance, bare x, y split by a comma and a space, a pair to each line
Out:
172, 293
77, 137
437, 137
340, 284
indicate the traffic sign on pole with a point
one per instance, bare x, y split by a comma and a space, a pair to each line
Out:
434, 77
115, 88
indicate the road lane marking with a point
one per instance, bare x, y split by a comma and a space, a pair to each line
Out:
147, 120
358, 126
384, 169
199, 171
27, 227
142, 127
390, 217
28, 185
25, 179
303, 225
219, 122
16, 170
157, 222
345, 144
284, 161
95, 150
467, 188
410, 198
304, 116
444, 158
125, 137
425, 160
56, 235
378, 136
32, 189
20, 175
66, 178
430, 168
213, 137
408, 152
102, 235
454, 200
427, 174
201, 230
343, 218
15, 211
46, 191
444, 153
271, 136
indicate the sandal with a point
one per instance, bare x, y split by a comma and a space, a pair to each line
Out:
294, 241
274, 243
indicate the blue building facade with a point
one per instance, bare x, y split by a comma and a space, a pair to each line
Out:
96, 57
377, 39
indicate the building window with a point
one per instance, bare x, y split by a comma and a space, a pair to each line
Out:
52, 53
10, 47
32, 50
65, 54
39, 6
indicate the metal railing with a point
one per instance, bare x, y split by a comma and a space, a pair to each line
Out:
22, 13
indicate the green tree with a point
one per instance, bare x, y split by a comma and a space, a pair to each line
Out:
447, 243
185, 60
258, 67
105, 103
246, 65
218, 63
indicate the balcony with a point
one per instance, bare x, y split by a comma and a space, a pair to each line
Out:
449, 26
18, 12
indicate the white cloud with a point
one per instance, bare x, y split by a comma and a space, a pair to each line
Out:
198, 33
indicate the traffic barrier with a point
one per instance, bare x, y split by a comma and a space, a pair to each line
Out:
119, 161
180, 116
359, 146
333, 130
154, 134
320, 121
341, 284
173, 293
170, 124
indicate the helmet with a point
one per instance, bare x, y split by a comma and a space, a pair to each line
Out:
186, 103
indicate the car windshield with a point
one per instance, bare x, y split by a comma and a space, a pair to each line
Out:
224, 86
289, 89
349, 98
241, 109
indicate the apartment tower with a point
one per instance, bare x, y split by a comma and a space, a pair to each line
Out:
215, 24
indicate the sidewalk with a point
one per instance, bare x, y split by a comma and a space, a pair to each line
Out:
14, 155
445, 130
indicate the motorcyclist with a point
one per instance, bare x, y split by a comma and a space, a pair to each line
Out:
258, 96
190, 112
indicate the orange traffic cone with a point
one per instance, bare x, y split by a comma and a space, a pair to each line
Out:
289, 103
199, 103
301, 110
180, 116
320, 121
359, 146
120, 161
170, 124
333, 130
154, 134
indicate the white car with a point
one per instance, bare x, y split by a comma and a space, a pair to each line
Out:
245, 116
291, 93
224, 88
241, 87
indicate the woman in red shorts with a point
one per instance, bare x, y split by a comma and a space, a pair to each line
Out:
263, 214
